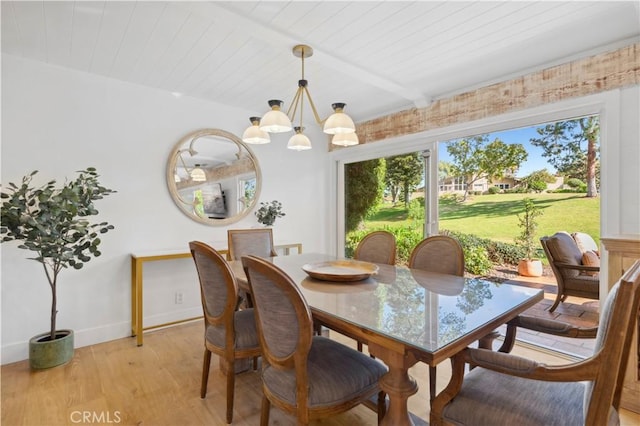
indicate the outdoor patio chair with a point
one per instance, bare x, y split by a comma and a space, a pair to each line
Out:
575, 272
585, 242
504, 389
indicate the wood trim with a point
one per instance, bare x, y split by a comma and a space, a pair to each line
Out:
599, 73
622, 251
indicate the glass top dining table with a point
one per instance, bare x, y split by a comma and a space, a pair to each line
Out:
404, 315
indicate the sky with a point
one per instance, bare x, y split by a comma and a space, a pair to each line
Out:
535, 160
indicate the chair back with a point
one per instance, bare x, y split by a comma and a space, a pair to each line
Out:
438, 253
613, 343
283, 318
562, 248
377, 247
245, 242
218, 287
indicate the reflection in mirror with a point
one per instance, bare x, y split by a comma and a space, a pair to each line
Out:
213, 177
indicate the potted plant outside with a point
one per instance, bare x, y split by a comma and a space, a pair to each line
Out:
52, 223
530, 266
269, 212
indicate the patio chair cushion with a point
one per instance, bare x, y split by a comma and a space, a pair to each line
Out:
585, 242
590, 258
564, 249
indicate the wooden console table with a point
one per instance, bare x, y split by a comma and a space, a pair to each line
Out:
137, 262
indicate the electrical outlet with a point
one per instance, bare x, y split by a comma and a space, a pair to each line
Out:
179, 297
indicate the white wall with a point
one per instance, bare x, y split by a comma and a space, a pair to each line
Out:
58, 121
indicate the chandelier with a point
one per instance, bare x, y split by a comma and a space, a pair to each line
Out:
338, 124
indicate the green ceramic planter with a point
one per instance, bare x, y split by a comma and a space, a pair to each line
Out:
45, 353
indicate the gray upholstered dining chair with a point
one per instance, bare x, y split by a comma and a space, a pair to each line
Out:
504, 389
244, 242
229, 333
377, 247
574, 276
442, 254
304, 375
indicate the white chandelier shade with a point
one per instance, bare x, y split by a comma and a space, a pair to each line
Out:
339, 122
197, 174
299, 142
345, 139
275, 121
254, 135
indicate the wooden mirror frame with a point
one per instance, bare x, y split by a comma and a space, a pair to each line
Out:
188, 144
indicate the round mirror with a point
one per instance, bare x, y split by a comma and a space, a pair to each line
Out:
213, 177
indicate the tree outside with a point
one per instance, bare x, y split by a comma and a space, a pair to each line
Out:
404, 173
572, 147
476, 158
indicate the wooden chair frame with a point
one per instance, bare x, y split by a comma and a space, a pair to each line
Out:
232, 253
228, 354
606, 368
297, 359
558, 271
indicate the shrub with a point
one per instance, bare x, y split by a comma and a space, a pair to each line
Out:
498, 252
569, 190
476, 256
505, 253
493, 190
538, 186
476, 260
406, 240
517, 190
575, 183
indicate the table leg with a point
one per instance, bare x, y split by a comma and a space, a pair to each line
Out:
133, 296
397, 383
136, 299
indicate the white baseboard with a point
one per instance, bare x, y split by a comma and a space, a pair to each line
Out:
19, 351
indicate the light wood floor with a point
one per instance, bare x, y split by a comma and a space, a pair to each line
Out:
158, 384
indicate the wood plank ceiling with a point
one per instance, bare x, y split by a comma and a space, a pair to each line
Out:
378, 57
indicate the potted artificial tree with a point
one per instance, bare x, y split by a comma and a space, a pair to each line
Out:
530, 266
52, 222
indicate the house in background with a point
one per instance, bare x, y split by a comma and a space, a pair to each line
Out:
456, 184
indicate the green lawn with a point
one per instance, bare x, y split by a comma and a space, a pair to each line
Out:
495, 216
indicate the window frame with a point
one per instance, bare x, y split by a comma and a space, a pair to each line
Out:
606, 105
